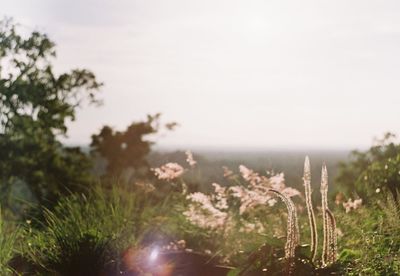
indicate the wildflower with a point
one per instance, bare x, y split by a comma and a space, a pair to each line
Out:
184, 188
378, 190
220, 197
210, 211
206, 217
168, 171
352, 204
218, 189
199, 198
250, 198
189, 158
249, 175
237, 191
290, 192
277, 181
357, 203
258, 191
227, 172
222, 204
272, 202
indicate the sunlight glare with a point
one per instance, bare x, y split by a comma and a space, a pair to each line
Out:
154, 254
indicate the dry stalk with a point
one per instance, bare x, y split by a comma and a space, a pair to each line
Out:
329, 248
293, 234
329, 224
310, 210
332, 245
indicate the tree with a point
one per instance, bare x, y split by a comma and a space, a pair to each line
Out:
372, 171
35, 104
127, 149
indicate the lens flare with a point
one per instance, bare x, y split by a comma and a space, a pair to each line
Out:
154, 254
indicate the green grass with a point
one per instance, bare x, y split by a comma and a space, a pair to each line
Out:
371, 239
8, 238
85, 235
88, 235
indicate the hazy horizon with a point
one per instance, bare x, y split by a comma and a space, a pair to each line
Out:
233, 74
243, 149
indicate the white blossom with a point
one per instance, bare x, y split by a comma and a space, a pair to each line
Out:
190, 159
169, 171
352, 204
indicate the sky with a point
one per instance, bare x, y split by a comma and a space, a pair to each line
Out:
233, 74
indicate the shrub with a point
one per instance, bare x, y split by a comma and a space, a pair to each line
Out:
368, 171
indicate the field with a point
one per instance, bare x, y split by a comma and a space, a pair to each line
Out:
123, 205
183, 223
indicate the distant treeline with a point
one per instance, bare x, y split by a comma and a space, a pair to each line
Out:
291, 163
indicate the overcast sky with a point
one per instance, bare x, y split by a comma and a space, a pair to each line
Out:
243, 74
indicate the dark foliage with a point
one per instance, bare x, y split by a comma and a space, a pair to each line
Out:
35, 104
269, 260
376, 168
127, 149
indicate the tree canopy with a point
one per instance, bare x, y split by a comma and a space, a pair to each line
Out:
127, 149
372, 171
35, 105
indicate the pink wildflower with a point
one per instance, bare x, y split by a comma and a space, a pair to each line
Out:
249, 175
237, 191
199, 198
189, 158
290, 192
352, 204
206, 217
220, 197
218, 189
250, 198
227, 172
168, 171
258, 191
277, 181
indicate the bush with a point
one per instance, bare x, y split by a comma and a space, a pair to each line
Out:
376, 168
